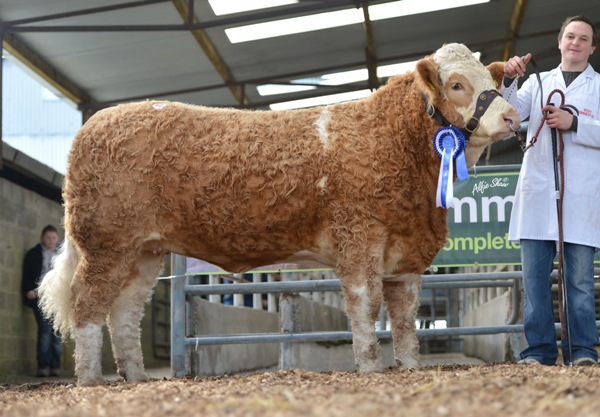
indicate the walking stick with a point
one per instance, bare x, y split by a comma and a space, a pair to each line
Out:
563, 307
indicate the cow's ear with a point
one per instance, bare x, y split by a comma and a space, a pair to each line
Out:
427, 78
497, 71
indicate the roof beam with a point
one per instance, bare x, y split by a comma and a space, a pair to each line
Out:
185, 9
83, 12
371, 54
514, 28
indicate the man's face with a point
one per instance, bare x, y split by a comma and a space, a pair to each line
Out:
576, 42
50, 240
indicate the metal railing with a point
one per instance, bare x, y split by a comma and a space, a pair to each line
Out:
181, 343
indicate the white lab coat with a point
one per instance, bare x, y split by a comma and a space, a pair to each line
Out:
534, 212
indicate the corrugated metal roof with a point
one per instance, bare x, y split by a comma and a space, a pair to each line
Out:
106, 66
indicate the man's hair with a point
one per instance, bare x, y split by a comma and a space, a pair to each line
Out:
49, 228
579, 18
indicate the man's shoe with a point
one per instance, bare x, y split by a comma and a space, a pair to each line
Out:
43, 372
529, 361
54, 372
584, 361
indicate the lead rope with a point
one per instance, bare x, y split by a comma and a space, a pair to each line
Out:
560, 182
562, 300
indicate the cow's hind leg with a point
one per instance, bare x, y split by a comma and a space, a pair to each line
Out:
93, 288
402, 302
126, 314
362, 295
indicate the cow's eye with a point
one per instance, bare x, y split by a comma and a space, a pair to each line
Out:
457, 86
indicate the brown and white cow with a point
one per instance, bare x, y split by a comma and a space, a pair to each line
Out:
352, 185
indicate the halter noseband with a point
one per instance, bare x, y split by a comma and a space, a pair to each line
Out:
483, 102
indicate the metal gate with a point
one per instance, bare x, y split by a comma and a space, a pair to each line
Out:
182, 290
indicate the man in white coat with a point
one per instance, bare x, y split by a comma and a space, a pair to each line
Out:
534, 219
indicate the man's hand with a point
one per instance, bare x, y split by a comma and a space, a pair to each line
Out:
557, 118
517, 65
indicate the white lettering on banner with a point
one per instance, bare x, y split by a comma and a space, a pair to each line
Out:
486, 202
458, 203
500, 203
483, 185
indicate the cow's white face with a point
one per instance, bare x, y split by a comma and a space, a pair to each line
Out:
461, 79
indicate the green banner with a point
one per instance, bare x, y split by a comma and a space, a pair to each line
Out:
479, 222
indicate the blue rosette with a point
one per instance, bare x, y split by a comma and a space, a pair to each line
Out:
449, 143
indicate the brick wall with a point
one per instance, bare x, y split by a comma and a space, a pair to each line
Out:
23, 215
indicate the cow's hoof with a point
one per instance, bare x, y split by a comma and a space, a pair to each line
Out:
90, 382
136, 377
408, 363
370, 367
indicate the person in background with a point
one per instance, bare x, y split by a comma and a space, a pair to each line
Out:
534, 219
38, 261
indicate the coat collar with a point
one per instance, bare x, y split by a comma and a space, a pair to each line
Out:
588, 73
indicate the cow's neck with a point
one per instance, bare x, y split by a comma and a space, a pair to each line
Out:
472, 154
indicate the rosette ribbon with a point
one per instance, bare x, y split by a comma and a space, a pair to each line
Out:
449, 144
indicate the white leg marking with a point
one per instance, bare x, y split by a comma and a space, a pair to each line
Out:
124, 320
367, 352
406, 344
88, 350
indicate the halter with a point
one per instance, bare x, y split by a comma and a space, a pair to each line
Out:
450, 142
483, 102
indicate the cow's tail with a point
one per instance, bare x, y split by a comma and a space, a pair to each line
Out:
55, 289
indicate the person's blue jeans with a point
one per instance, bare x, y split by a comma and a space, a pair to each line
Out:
49, 348
537, 257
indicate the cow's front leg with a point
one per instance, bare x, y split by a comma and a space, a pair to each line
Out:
402, 302
88, 351
362, 297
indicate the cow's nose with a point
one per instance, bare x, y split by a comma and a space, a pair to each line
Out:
514, 122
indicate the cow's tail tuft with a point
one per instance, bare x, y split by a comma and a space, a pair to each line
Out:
55, 290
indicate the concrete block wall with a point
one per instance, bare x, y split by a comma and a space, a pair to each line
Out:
213, 318
108, 361
492, 307
324, 356
493, 347
316, 317
23, 215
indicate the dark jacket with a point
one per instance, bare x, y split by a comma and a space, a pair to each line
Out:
32, 269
